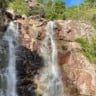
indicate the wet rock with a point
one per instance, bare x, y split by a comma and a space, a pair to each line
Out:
2, 30
28, 64
3, 54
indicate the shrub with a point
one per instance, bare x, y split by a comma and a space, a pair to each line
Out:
19, 6
56, 10
37, 10
88, 49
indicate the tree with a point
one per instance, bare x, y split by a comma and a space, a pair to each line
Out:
40, 1
92, 3
55, 10
37, 10
19, 6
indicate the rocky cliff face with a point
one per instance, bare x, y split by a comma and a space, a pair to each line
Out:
78, 74
71, 30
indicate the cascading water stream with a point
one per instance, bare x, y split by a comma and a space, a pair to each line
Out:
11, 37
50, 76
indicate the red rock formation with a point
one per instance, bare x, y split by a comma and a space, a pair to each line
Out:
63, 58
82, 76
26, 39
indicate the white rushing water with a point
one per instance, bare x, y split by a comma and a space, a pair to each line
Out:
50, 77
11, 37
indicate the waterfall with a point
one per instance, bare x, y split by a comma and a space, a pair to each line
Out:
50, 77
11, 37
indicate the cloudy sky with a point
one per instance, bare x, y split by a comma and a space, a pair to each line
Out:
73, 2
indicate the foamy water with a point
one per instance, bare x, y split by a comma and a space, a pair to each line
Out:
9, 75
50, 77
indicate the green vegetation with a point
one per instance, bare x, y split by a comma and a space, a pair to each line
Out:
55, 11
37, 10
19, 6
88, 49
85, 11
40, 1
58, 10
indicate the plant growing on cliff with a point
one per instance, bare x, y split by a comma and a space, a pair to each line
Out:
88, 49
37, 10
55, 10
19, 6
40, 1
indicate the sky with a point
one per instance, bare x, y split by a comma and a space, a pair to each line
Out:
73, 2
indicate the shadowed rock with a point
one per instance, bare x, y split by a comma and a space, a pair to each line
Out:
28, 64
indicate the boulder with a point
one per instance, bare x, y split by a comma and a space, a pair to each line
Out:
10, 13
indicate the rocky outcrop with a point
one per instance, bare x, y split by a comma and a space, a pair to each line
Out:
77, 67
78, 73
31, 31
71, 30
